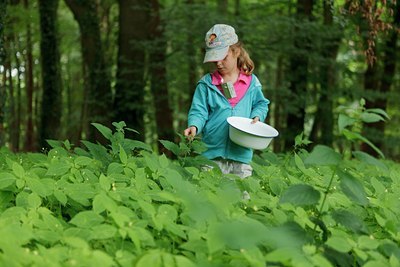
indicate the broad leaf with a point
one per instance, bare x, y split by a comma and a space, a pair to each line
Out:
6, 179
300, 195
352, 188
105, 131
323, 155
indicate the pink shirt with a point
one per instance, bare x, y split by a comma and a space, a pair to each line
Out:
241, 85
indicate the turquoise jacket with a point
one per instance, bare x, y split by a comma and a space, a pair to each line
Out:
209, 111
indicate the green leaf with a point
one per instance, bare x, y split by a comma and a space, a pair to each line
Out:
300, 195
174, 148
378, 111
344, 121
152, 258
356, 136
34, 200
122, 155
6, 179
102, 202
38, 186
371, 117
83, 161
370, 160
339, 243
105, 131
87, 219
104, 182
18, 170
353, 188
58, 168
323, 155
350, 221
104, 231
60, 196
80, 193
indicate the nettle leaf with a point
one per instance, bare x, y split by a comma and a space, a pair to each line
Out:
105, 182
58, 168
60, 196
323, 155
80, 193
353, 188
102, 202
6, 179
87, 219
344, 121
34, 201
174, 148
105, 131
370, 160
339, 243
349, 220
300, 195
18, 170
122, 155
369, 117
39, 186
83, 161
103, 231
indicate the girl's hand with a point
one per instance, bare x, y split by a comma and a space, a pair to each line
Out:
255, 119
190, 132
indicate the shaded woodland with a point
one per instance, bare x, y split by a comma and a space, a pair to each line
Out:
67, 63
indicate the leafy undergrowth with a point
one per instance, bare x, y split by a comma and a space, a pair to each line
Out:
124, 205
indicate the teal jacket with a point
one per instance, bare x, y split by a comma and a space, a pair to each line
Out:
209, 111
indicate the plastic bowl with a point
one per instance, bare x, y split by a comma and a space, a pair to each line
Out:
252, 135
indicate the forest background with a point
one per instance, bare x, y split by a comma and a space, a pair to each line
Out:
67, 64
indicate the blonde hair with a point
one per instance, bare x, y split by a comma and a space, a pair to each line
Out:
244, 62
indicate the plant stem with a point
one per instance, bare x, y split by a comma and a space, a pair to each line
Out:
328, 188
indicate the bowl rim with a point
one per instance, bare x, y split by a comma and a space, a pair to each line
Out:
258, 135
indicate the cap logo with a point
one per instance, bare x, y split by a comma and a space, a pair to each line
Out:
211, 40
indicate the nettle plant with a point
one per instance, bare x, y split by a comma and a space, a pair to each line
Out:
122, 204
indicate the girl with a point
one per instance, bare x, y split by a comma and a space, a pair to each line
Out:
231, 90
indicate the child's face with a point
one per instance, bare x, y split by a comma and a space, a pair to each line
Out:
228, 64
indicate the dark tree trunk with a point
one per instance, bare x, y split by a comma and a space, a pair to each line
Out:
51, 76
3, 5
381, 86
97, 78
29, 144
322, 131
129, 88
158, 76
298, 70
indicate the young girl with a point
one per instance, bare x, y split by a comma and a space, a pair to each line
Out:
231, 90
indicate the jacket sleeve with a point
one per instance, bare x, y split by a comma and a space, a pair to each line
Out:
260, 103
198, 113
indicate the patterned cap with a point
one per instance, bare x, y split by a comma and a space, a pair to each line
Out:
218, 39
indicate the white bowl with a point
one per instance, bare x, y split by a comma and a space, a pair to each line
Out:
252, 135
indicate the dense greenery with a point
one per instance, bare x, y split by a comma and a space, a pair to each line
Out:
122, 204
141, 64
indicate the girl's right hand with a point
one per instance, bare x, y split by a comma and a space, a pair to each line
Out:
190, 132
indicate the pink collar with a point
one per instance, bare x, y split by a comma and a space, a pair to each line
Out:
216, 78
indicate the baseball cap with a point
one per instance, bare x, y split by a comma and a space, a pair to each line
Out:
218, 39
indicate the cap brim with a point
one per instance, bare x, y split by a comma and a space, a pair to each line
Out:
213, 55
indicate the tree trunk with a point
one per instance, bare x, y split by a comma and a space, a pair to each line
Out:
97, 78
322, 131
51, 76
298, 70
29, 144
129, 88
3, 8
158, 76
